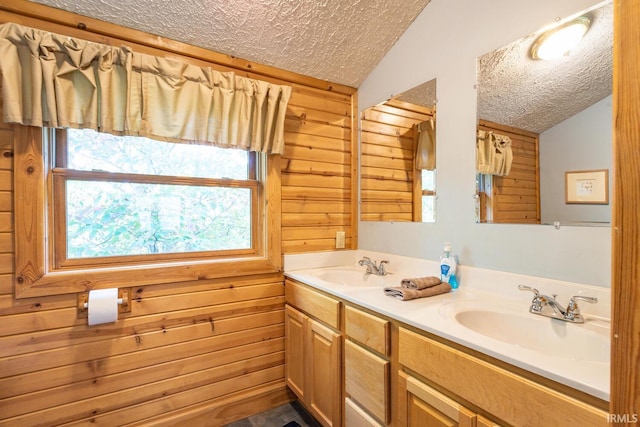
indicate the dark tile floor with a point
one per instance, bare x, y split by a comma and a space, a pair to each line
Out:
279, 417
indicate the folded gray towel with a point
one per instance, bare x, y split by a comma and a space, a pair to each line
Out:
420, 282
406, 294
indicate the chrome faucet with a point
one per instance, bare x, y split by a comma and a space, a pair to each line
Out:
372, 268
544, 305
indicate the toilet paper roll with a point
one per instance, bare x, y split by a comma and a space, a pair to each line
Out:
103, 306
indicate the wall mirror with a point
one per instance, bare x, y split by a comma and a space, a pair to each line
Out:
557, 116
397, 157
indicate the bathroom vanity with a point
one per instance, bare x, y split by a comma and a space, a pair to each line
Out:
356, 357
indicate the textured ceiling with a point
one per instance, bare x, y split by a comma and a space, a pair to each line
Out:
424, 95
340, 41
535, 95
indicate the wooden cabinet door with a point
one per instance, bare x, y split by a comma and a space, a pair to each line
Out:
426, 407
323, 360
295, 324
421, 414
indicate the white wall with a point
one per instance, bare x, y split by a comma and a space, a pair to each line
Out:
582, 142
443, 43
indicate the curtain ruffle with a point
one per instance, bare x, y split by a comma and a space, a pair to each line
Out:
493, 153
57, 81
426, 145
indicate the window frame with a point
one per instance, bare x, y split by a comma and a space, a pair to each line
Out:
428, 193
40, 270
57, 208
418, 194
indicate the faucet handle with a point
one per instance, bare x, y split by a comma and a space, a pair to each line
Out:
536, 304
381, 267
529, 288
573, 311
590, 300
363, 260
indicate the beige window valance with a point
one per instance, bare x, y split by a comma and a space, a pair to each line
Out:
493, 153
425, 133
58, 81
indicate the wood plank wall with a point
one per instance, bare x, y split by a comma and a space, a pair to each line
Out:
516, 198
199, 353
387, 160
186, 349
317, 198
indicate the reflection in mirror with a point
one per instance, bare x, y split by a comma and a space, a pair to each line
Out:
557, 116
397, 157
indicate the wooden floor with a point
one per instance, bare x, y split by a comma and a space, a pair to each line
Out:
285, 415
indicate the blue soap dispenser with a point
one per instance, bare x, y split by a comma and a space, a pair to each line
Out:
448, 266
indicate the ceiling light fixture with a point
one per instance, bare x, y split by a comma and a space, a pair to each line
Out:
559, 41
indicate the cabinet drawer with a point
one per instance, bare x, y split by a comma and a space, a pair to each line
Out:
314, 303
483, 422
367, 380
354, 416
426, 406
514, 399
367, 329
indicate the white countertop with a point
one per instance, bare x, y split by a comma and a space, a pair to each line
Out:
585, 369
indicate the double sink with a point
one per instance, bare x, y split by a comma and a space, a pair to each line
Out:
577, 355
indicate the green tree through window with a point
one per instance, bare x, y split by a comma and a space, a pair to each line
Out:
136, 196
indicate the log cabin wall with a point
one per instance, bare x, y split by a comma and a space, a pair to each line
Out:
206, 352
388, 178
515, 198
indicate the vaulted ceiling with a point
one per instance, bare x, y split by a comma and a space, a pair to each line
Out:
341, 41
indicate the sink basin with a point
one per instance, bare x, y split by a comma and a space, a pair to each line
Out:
551, 337
351, 276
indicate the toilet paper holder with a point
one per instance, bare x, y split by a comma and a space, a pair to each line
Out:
124, 302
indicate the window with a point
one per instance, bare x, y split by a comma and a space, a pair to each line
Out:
123, 204
428, 195
122, 196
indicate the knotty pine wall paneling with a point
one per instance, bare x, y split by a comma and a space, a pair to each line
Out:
317, 173
202, 353
516, 198
387, 160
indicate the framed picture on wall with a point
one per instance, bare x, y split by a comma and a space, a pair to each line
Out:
587, 187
